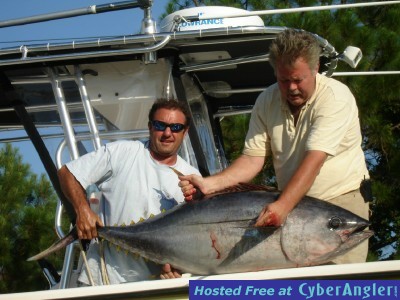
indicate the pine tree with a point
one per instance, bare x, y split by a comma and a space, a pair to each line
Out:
26, 222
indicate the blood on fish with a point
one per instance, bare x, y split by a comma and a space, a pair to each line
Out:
272, 219
214, 244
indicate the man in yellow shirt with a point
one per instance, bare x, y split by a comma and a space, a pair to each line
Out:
309, 124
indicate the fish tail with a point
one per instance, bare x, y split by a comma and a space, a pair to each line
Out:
65, 241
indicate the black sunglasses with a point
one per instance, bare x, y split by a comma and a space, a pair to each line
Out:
161, 126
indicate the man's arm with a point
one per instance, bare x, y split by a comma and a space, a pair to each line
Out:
243, 169
86, 219
275, 214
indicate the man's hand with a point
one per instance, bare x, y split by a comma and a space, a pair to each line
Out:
86, 219
273, 214
86, 223
276, 213
189, 185
168, 272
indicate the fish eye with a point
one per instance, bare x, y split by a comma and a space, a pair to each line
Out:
335, 222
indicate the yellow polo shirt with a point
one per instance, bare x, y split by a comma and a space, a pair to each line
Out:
328, 122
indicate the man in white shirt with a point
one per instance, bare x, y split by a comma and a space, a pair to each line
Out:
139, 184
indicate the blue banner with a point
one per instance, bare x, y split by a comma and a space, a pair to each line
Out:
294, 289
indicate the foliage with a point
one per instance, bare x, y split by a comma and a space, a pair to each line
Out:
375, 30
234, 130
26, 222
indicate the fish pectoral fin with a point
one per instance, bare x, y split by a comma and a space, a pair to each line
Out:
267, 229
249, 226
252, 237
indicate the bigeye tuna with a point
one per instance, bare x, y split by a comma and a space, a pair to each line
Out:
216, 235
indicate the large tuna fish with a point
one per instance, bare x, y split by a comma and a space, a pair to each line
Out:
216, 235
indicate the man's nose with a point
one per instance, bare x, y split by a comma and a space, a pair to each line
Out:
167, 131
292, 86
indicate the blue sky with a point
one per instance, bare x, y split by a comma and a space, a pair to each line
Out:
123, 22
113, 23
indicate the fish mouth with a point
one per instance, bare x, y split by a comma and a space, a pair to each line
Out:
354, 238
349, 241
361, 234
358, 233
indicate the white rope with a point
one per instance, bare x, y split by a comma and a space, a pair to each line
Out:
104, 274
86, 265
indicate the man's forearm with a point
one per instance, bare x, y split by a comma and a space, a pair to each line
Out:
275, 214
86, 219
72, 189
243, 169
303, 178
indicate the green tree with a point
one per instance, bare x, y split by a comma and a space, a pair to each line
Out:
375, 30
26, 222
234, 129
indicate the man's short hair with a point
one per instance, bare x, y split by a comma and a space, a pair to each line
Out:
172, 104
291, 44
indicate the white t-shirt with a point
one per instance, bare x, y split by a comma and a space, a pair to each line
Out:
138, 188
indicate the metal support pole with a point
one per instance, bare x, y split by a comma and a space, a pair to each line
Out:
80, 81
67, 266
63, 111
73, 149
93, 9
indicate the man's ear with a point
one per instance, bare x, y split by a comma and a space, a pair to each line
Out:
317, 68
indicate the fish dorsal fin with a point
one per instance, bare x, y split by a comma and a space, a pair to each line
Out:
243, 187
255, 187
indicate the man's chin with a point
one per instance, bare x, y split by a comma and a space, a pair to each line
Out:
296, 101
166, 147
166, 152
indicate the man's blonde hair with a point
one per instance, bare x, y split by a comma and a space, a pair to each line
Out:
292, 44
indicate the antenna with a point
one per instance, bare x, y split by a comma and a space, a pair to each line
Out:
149, 27
93, 9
